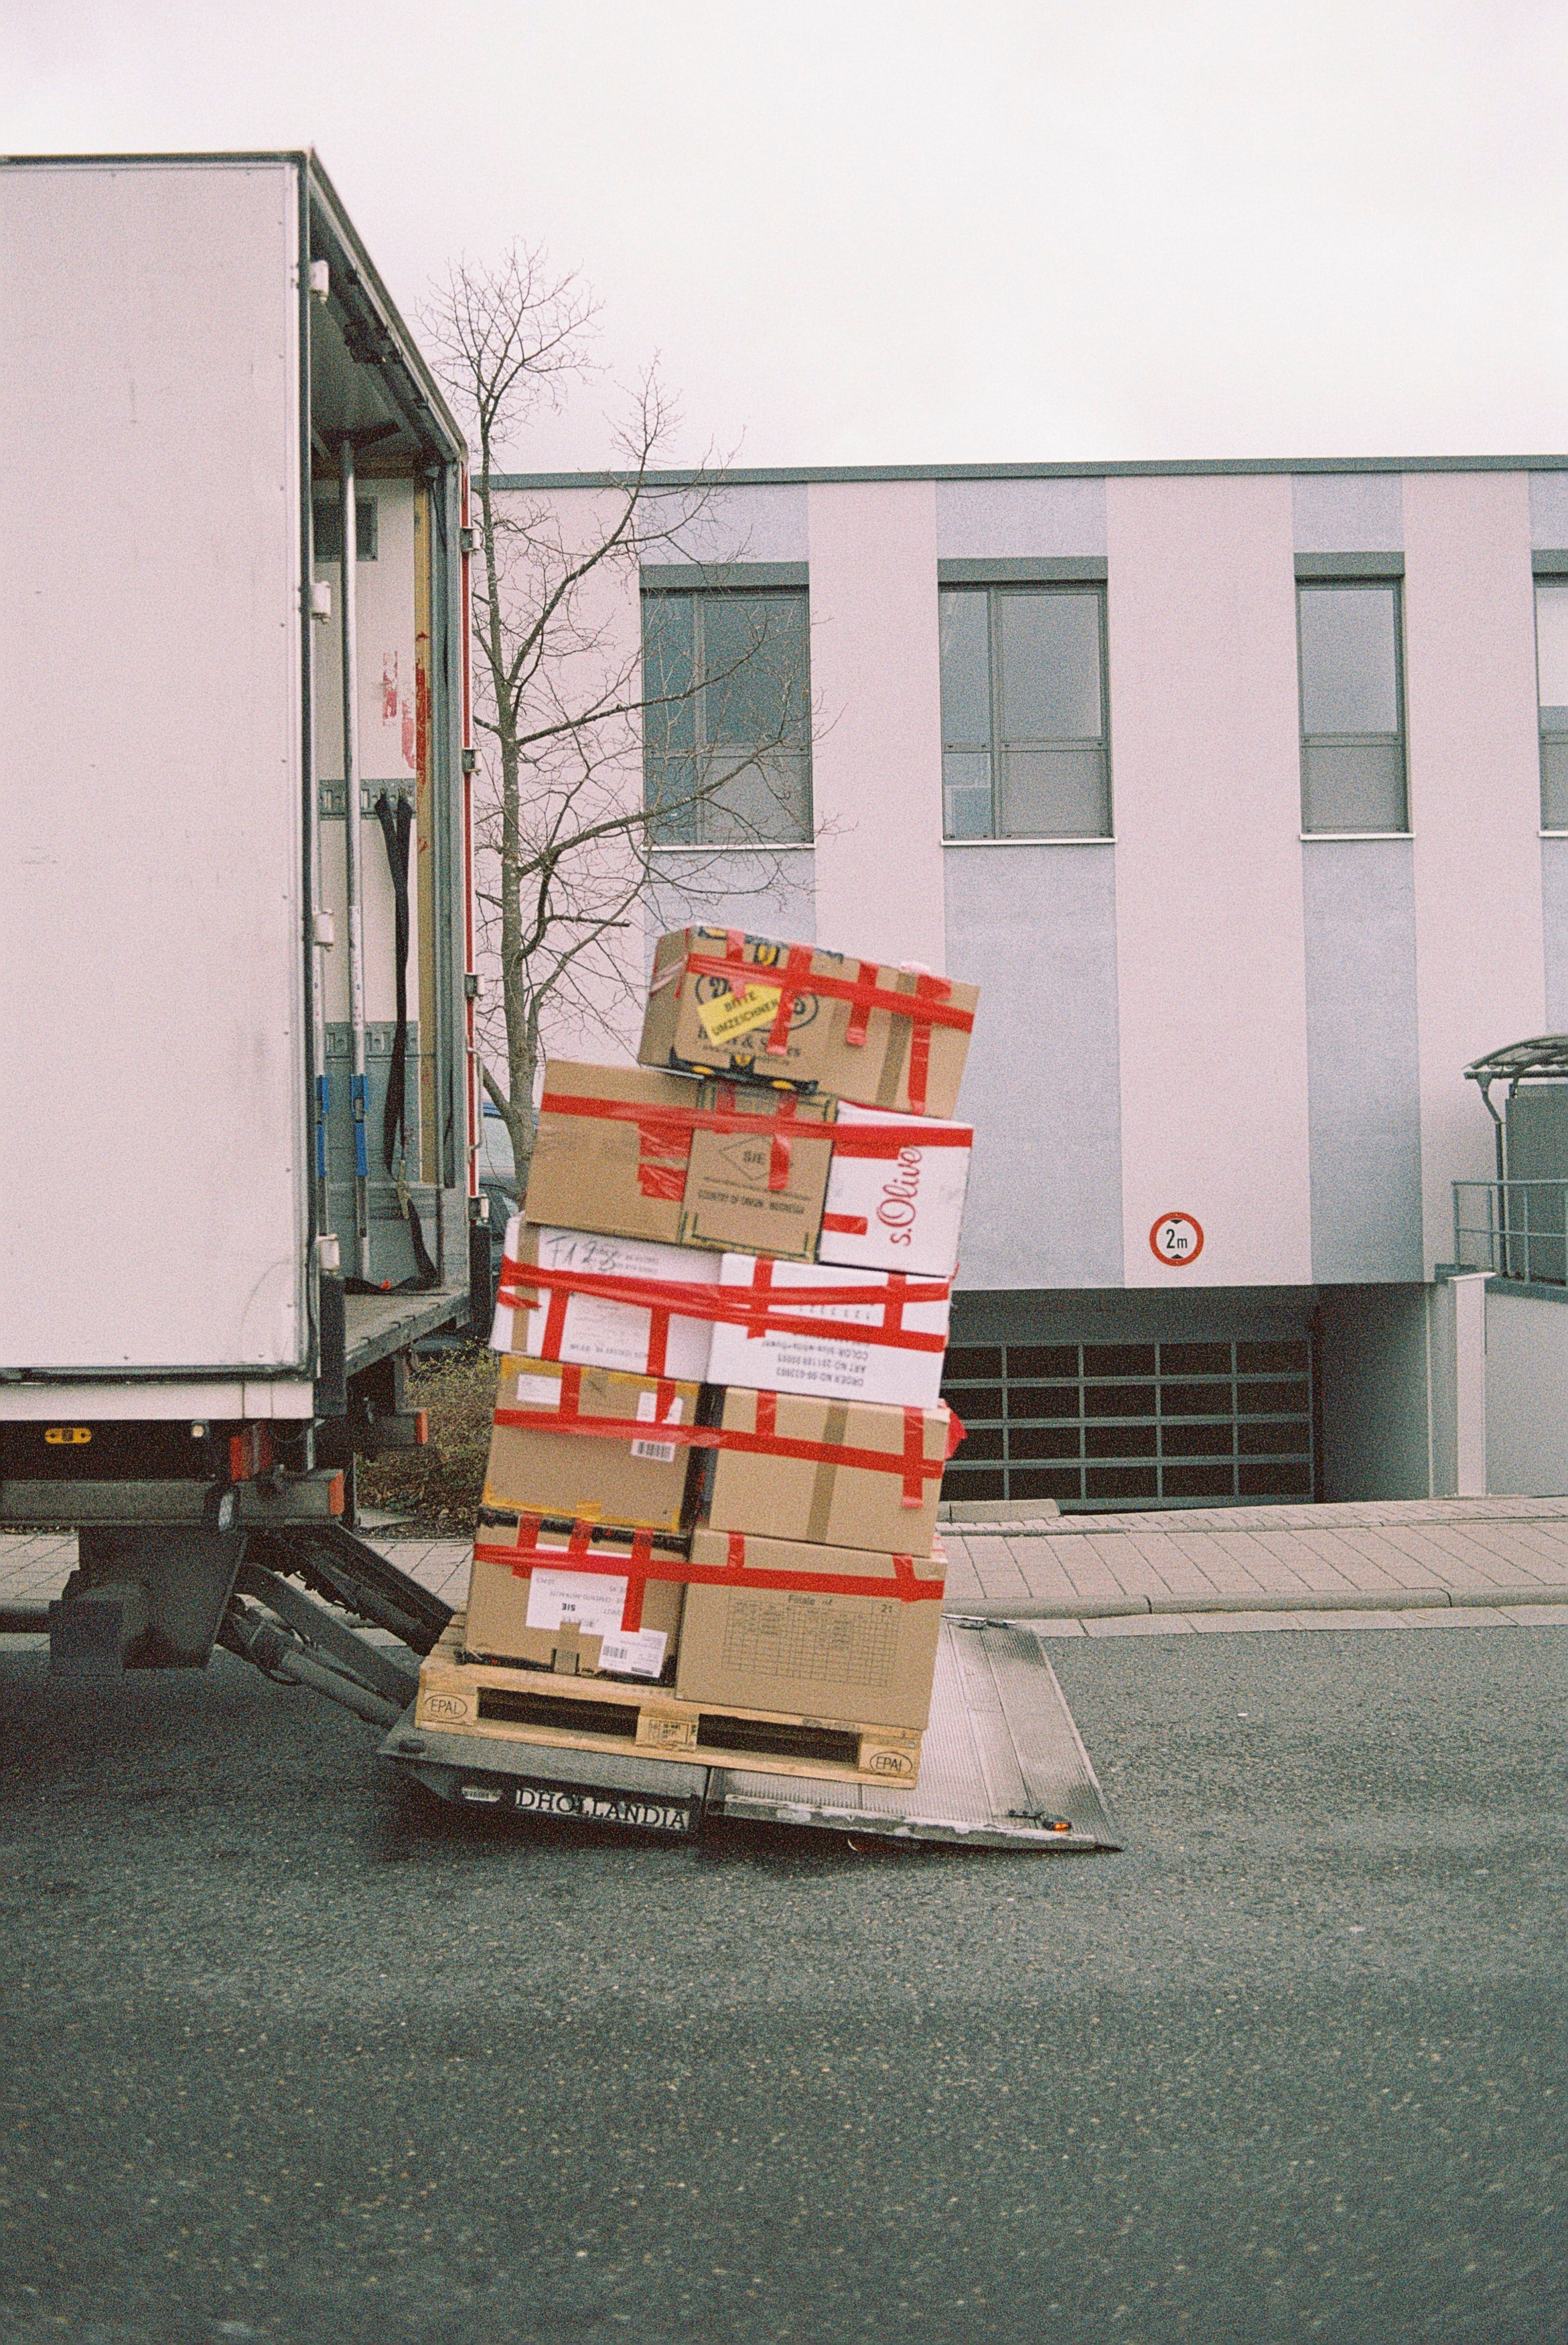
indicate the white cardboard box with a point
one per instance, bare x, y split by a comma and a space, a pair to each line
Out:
600, 1333
830, 1368
909, 1208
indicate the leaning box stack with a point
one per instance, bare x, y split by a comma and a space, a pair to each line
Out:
719, 1440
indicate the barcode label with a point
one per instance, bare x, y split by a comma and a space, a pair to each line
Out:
657, 1453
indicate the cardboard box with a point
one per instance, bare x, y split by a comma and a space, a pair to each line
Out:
900, 1210
848, 1492
589, 1328
545, 1612
864, 1659
896, 1373
603, 1170
618, 1151
712, 1022
631, 1478
758, 1192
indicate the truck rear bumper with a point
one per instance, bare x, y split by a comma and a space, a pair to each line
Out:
258, 1505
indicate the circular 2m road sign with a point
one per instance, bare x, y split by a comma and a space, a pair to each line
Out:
1177, 1239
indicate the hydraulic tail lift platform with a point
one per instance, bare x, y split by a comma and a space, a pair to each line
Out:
1002, 1766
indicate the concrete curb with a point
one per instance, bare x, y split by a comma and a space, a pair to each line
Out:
1399, 1599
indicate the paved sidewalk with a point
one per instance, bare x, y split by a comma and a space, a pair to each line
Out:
1110, 1574
1392, 1555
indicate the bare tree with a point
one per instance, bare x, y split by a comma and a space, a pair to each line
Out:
568, 832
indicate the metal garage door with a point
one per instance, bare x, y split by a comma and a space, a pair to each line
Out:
1131, 1424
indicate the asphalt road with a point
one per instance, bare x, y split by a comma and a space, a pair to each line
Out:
289, 2058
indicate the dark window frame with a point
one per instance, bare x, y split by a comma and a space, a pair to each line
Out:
1341, 582
701, 587
994, 589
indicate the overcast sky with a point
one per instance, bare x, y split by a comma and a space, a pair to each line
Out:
883, 232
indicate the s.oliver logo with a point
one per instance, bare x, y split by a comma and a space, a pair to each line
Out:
901, 1197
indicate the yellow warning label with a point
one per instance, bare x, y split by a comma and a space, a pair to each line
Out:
728, 1016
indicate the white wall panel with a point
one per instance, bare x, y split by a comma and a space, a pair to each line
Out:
876, 767
1475, 808
1525, 1396
1210, 962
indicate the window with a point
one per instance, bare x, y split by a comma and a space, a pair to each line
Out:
1352, 724
1131, 1425
1023, 712
1551, 668
327, 529
727, 728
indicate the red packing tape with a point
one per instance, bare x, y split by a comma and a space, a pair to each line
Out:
880, 1141
757, 1307
642, 1565
927, 1006
910, 1463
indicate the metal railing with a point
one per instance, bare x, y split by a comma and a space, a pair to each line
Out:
1515, 1229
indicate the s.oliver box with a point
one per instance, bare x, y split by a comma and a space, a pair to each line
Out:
902, 1206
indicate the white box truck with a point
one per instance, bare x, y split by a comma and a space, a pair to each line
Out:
238, 1106
236, 1089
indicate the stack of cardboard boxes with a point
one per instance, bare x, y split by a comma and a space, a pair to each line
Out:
719, 1439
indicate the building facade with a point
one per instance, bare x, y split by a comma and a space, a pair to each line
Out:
1242, 790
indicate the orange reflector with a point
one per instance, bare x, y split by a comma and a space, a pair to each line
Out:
422, 1428
335, 1495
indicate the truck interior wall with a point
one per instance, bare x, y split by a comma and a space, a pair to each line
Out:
1373, 1376
154, 1154
449, 842
387, 701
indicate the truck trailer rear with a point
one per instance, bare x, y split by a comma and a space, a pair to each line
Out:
237, 1105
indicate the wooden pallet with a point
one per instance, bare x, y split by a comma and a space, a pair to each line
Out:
587, 1713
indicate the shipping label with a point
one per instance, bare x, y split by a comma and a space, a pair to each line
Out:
658, 1453
589, 1600
729, 1015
